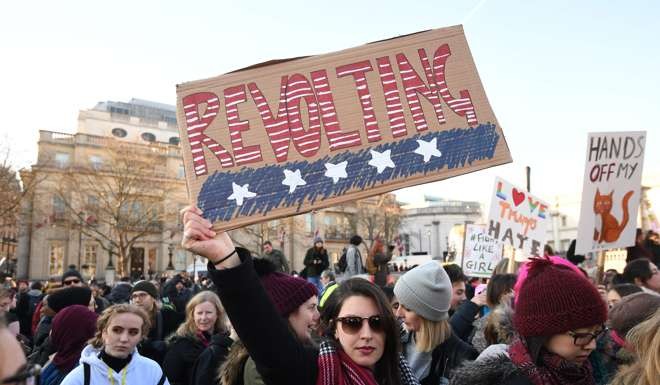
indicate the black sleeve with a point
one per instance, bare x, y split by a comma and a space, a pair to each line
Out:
461, 321
178, 363
280, 358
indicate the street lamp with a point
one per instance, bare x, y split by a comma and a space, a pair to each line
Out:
110, 269
170, 267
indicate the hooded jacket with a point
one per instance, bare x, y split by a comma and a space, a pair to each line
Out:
498, 370
140, 370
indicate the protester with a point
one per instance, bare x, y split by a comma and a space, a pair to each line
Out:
433, 351
72, 278
205, 317
644, 274
276, 257
645, 340
121, 292
7, 303
462, 312
176, 293
630, 311
380, 258
328, 279
366, 350
617, 292
72, 327
353, 257
458, 280
163, 321
13, 368
111, 356
500, 287
638, 250
101, 302
26, 305
558, 316
316, 260
295, 300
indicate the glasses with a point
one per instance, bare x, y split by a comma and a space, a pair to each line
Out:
582, 339
71, 281
24, 376
352, 325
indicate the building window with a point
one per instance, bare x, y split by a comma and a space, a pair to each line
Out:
56, 258
180, 259
181, 174
61, 159
59, 208
148, 137
89, 261
119, 132
96, 162
174, 141
563, 220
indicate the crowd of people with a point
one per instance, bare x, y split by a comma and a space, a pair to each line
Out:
253, 321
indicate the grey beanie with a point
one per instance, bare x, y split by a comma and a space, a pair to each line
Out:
426, 290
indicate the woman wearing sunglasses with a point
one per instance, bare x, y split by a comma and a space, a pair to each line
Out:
558, 316
432, 349
360, 335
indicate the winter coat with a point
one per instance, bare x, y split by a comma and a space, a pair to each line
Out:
497, 370
154, 346
25, 307
380, 260
462, 320
51, 375
353, 262
180, 359
140, 370
205, 371
316, 261
279, 260
444, 358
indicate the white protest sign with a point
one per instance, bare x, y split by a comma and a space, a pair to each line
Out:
611, 191
518, 218
481, 253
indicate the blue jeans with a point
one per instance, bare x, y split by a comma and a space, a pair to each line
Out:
316, 281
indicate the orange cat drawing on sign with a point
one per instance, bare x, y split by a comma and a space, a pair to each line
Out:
610, 229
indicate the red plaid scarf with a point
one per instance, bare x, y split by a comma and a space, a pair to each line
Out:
554, 370
337, 368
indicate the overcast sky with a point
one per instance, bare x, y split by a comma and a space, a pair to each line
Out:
553, 70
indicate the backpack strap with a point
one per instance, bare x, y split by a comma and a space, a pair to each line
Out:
162, 379
86, 370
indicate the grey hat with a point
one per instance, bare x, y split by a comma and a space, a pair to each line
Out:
426, 290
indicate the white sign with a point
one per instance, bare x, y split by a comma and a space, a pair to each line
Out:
481, 253
611, 191
518, 218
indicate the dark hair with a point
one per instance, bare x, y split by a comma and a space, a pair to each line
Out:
356, 240
625, 289
267, 243
499, 285
534, 346
36, 285
387, 368
389, 292
455, 273
548, 249
639, 268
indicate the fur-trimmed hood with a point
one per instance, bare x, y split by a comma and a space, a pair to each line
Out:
497, 370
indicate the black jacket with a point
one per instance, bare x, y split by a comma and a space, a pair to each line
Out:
316, 261
154, 346
490, 371
462, 320
280, 358
205, 371
180, 359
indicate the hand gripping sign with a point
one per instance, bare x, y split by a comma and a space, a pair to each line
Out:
289, 136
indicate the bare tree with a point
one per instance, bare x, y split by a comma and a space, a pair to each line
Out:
380, 217
120, 202
12, 190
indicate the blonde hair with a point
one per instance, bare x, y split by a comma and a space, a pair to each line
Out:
645, 339
188, 328
105, 317
431, 334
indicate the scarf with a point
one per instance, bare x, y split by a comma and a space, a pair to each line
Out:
337, 368
204, 338
554, 370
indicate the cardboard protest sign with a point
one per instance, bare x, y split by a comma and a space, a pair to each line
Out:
286, 137
518, 218
481, 252
611, 190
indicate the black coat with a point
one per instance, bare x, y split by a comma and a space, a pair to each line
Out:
316, 261
154, 346
180, 359
463, 318
208, 364
490, 371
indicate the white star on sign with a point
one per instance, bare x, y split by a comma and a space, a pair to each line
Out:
381, 160
336, 171
428, 149
293, 180
240, 193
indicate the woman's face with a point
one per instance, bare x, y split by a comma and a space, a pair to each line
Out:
123, 333
653, 283
365, 346
411, 321
205, 315
564, 345
5, 304
305, 319
613, 298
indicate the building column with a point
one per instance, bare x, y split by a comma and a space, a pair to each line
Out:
436, 250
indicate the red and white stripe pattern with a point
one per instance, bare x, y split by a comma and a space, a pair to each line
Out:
277, 127
307, 142
242, 154
462, 106
358, 70
413, 85
196, 125
392, 98
336, 138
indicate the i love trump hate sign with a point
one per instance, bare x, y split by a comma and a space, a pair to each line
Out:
289, 136
518, 218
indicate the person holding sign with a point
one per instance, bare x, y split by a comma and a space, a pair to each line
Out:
359, 345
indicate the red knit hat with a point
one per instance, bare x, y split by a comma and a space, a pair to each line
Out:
554, 299
286, 292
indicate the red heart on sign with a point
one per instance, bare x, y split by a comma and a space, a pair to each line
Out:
518, 197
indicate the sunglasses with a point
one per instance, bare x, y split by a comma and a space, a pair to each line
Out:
353, 324
26, 375
71, 281
582, 339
